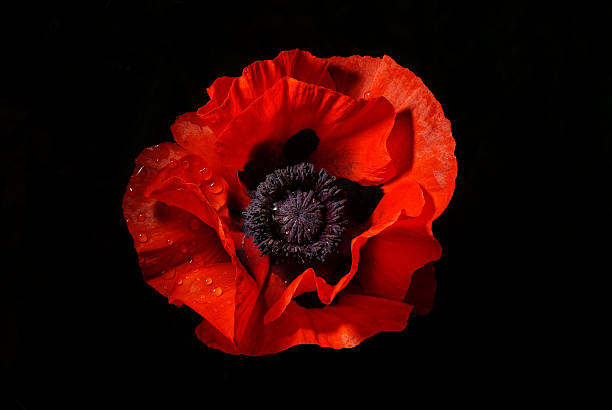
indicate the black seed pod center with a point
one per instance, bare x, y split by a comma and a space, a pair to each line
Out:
297, 213
299, 217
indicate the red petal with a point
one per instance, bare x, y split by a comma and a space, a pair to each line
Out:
422, 290
210, 291
352, 133
305, 282
353, 75
164, 236
191, 132
421, 141
217, 92
353, 319
181, 189
258, 77
403, 197
390, 258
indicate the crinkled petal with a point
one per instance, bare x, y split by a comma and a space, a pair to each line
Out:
343, 325
353, 76
173, 244
352, 133
165, 236
258, 77
406, 244
421, 142
181, 184
402, 198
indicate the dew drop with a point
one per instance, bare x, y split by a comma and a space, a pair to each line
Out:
180, 282
190, 260
367, 94
217, 291
215, 188
141, 173
130, 190
202, 297
141, 217
208, 281
142, 237
194, 224
169, 242
206, 173
169, 275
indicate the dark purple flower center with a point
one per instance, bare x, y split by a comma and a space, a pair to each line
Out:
297, 213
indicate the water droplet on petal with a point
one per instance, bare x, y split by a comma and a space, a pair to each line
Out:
206, 173
180, 282
142, 237
367, 94
170, 242
202, 297
141, 217
169, 275
130, 190
190, 260
194, 224
215, 188
217, 291
208, 281
141, 172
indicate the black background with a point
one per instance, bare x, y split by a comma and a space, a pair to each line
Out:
89, 86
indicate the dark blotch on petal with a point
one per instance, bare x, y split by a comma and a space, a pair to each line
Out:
300, 146
267, 157
310, 300
362, 200
264, 159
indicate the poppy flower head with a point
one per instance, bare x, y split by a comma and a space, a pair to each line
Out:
297, 213
296, 206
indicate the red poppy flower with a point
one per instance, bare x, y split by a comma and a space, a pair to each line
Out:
296, 206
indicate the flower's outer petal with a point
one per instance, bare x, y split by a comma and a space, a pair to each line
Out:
352, 133
421, 142
217, 92
343, 325
405, 198
258, 77
173, 244
406, 244
306, 282
249, 281
180, 185
389, 260
353, 76
191, 132
422, 290
210, 290
164, 236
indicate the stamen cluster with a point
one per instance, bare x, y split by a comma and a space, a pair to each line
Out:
297, 213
